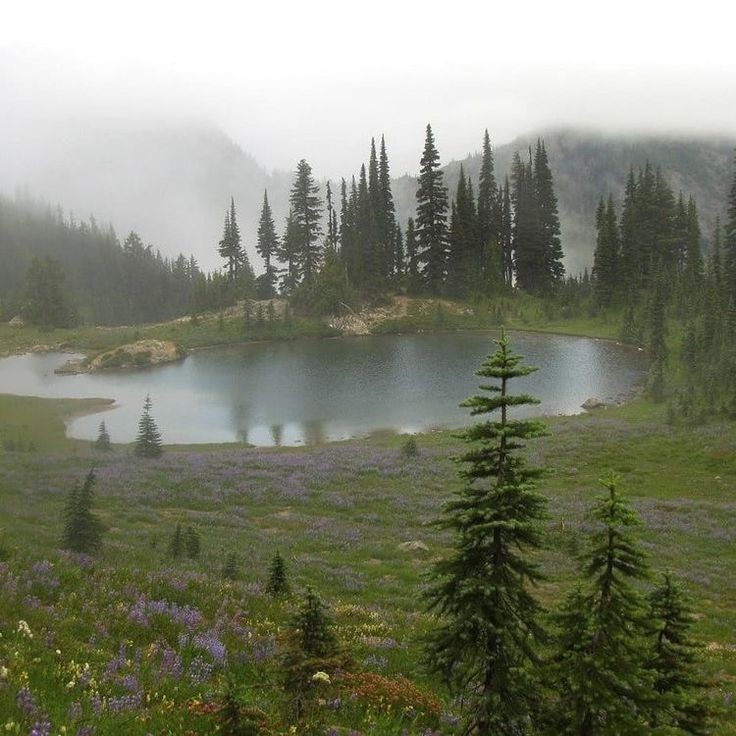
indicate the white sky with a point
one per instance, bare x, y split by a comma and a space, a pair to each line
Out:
317, 79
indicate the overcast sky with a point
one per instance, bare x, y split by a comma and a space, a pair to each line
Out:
317, 79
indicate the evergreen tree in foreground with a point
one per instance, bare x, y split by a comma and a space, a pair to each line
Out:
681, 704
82, 529
277, 583
484, 647
599, 670
148, 441
103, 438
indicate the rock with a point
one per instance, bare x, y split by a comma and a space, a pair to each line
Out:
141, 354
17, 321
593, 403
72, 367
414, 546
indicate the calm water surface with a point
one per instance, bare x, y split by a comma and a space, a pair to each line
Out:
310, 391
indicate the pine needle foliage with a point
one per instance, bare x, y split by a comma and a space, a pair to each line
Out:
278, 583
599, 668
681, 704
148, 441
103, 438
82, 528
489, 626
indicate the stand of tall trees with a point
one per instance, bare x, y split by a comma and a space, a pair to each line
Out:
107, 281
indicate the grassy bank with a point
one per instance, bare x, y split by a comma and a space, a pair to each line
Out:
339, 514
521, 312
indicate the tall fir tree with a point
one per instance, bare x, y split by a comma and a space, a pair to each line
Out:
488, 207
289, 255
268, 248
431, 219
530, 260
463, 274
331, 238
489, 626
82, 528
387, 220
548, 218
681, 699
103, 438
413, 268
607, 258
148, 441
306, 211
230, 247
278, 583
506, 240
599, 668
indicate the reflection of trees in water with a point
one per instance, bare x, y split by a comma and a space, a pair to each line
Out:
277, 433
240, 414
313, 433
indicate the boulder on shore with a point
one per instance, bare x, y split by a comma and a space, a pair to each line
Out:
593, 403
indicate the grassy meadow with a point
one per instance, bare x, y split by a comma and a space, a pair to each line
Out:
131, 641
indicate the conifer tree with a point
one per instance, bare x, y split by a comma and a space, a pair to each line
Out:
693, 265
82, 528
268, 248
606, 261
489, 619
413, 275
331, 239
729, 241
289, 254
506, 234
103, 438
530, 260
230, 247
148, 441
680, 704
192, 543
306, 211
177, 543
548, 218
600, 673
462, 262
488, 209
387, 219
431, 220
278, 583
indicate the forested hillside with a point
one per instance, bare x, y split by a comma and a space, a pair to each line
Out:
171, 184
106, 281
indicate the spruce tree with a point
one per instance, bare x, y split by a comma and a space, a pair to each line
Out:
331, 238
103, 438
306, 211
278, 583
673, 659
489, 626
289, 254
413, 275
599, 668
606, 260
693, 273
192, 543
387, 217
268, 248
82, 528
488, 230
230, 247
548, 218
431, 220
462, 263
148, 441
230, 568
506, 240
530, 260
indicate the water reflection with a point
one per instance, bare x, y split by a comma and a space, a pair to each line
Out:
311, 391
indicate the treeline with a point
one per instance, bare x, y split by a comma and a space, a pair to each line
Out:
103, 281
467, 246
650, 263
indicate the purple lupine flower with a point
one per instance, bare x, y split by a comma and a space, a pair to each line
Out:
26, 702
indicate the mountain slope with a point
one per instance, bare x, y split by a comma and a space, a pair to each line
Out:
172, 184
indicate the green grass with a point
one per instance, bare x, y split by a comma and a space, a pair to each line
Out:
338, 513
